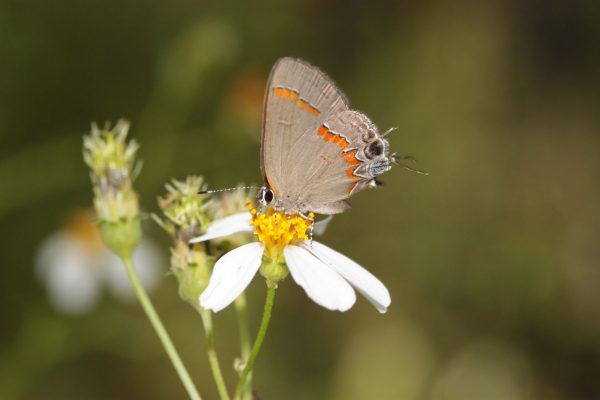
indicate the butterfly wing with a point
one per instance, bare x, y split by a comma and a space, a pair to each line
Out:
299, 97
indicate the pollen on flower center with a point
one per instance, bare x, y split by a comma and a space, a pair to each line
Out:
276, 229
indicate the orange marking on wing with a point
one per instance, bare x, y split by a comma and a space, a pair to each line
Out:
341, 142
322, 130
329, 137
314, 111
352, 186
350, 157
350, 173
293, 95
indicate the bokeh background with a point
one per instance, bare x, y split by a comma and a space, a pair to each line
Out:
492, 260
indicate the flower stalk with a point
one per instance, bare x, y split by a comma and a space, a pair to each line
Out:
241, 306
213, 359
186, 214
260, 338
160, 330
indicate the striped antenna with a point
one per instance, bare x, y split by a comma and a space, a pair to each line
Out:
227, 190
392, 129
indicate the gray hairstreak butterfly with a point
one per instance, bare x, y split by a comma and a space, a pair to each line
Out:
315, 151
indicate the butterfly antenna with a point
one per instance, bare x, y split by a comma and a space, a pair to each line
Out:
227, 190
396, 160
392, 129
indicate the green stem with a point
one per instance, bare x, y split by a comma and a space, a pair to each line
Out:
213, 360
160, 331
245, 345
260, 337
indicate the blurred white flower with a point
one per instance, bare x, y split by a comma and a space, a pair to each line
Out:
327, 277
76, 267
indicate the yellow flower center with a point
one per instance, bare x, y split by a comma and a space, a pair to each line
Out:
276, 229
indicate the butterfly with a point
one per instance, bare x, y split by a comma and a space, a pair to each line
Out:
315, 151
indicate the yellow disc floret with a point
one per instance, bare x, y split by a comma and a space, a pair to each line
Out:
276, 230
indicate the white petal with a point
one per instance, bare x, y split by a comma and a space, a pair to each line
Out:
226, 226
66, 267
320, 282
321, 226
231, 275
362, 280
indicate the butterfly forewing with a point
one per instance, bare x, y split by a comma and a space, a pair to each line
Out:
299, 97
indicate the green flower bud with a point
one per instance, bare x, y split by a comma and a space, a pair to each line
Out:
273, 271
122, 236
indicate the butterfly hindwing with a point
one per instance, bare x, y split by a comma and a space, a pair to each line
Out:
351, 154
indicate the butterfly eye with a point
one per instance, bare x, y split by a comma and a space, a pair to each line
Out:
265, 196
269, 196
375, 149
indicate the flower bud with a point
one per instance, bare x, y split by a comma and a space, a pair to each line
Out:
186, 215
111, 159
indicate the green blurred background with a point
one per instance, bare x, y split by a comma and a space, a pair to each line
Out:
492, 259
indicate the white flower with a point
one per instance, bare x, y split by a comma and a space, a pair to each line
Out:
75, 267
326, 276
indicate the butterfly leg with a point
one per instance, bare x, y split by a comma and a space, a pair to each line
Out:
309, 217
